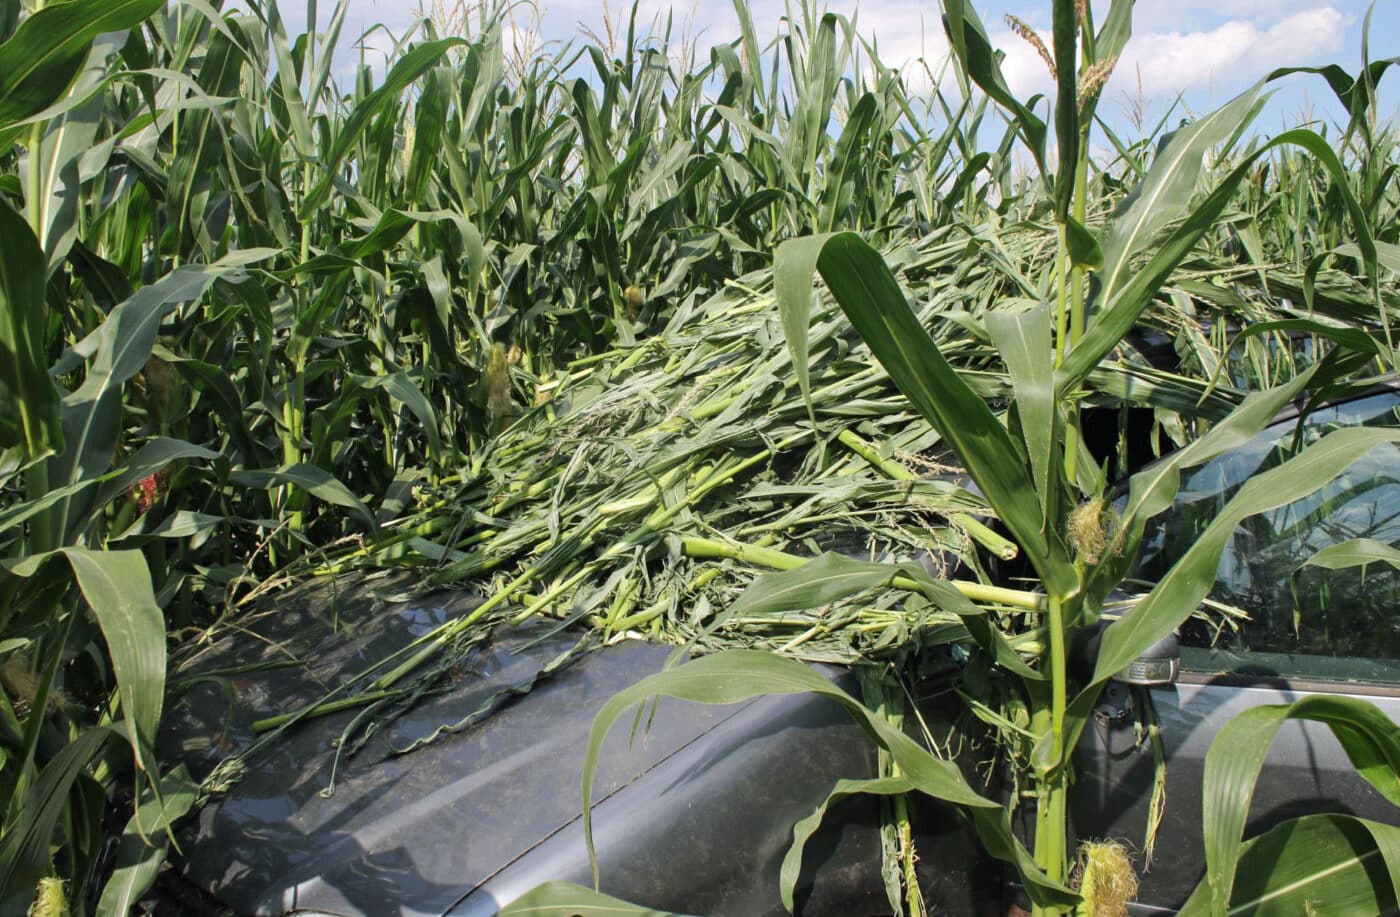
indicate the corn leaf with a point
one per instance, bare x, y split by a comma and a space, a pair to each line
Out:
839, 191
288, 73
118, 350
1117, 29
832, 577
564, 899
154, 456
820, 581
1165, 193
1023, 339
137, 859
1371, 742
873, 301
1064, 36
1181, 590
1356, 552
979, 59
1189, 580
1321, 864
65, 140
398, 386
802, 832
1357, 94
24, 850
29, 400
406, 69
794, 265
1152, 490
311, 478
45, 53
1122, 308
117, 587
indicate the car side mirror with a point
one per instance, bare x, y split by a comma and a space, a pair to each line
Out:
1159, 664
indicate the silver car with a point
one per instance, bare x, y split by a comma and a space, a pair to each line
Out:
1310, 630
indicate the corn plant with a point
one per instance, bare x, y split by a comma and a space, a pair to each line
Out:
1030, 465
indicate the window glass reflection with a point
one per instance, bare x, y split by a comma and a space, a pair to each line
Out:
1296, 608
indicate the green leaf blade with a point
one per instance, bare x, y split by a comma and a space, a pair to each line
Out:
875, 304
29, 401
45, 53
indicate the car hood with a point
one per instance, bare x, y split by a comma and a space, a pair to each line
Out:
388, 829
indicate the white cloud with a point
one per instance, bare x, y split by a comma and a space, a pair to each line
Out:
903, 32
1164, 15
1233, 52
1219, 59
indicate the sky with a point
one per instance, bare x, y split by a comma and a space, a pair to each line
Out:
1201, 51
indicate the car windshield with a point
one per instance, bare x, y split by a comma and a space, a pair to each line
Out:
1295, 607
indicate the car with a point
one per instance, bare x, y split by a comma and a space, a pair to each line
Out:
471, 795
449, 810
1310, 630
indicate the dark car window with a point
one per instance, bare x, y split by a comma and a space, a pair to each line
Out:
1302, 618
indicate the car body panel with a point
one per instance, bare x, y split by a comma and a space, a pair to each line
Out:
743, 786
1311, 631
694, 810
1306, 771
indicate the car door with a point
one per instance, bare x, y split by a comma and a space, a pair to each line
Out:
1309, 630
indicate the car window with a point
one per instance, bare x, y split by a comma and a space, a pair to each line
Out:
1303, 620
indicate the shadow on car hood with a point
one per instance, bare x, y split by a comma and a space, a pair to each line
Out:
401, 833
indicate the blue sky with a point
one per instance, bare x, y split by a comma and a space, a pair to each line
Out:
1204, 50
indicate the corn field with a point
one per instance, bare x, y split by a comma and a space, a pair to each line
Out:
515, 322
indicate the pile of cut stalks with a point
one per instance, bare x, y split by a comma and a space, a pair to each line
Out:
649, 484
